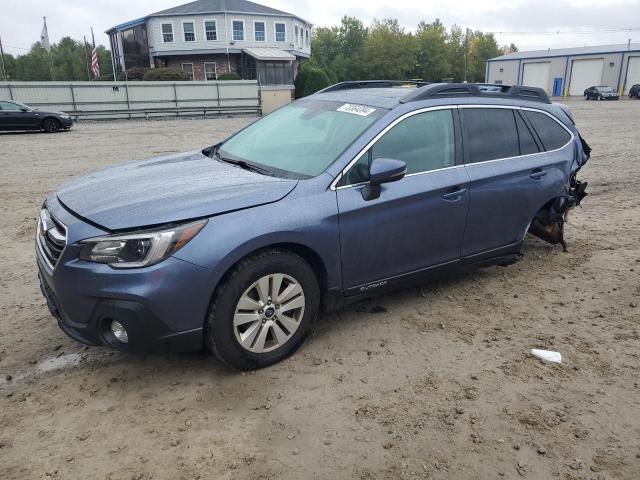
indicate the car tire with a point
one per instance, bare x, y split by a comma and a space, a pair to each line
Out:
50, 125
246, 328
599, 98
586, 97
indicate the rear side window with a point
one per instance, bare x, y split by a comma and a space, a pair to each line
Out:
527, 143
492, 134
551, 134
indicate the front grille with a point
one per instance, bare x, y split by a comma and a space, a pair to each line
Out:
51, 237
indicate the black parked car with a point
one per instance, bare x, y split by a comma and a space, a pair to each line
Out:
601, 93
634, 92
18, 116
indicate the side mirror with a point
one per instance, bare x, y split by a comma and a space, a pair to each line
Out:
383, 170
24, 110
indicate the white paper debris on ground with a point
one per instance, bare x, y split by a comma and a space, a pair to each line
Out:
547, 355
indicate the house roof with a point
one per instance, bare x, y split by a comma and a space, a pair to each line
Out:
565, 52
218, 6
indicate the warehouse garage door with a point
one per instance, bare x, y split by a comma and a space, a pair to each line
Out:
585, 74
536, 75
633, 73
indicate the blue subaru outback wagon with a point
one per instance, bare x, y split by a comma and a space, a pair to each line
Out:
362, 187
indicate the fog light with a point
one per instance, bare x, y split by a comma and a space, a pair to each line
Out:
119, 332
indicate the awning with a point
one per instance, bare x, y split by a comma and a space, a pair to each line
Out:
268, 54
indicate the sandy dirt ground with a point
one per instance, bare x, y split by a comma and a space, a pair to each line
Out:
432, 382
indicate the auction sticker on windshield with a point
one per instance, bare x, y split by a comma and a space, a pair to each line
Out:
356, 109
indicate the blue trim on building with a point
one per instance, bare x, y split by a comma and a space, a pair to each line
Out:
620, 74
132, 23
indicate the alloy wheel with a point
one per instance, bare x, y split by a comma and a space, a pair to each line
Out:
51, 125
268, 313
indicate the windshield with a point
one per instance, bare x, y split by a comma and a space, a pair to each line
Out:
302, 139
22, 105
605, 89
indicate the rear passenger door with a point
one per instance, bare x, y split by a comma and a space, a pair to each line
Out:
511, 175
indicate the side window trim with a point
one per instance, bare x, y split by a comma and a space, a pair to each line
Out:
532, 131
338, 182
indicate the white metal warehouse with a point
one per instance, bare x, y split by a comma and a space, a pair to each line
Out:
569, 71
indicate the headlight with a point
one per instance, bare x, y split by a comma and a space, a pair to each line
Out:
139, 249
64, 116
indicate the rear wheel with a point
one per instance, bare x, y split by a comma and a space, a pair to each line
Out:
50, 125
263, 310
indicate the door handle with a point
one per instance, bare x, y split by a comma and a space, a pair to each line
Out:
537, 174
456, 194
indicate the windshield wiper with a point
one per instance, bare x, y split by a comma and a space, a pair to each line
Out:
243, 164
214, 152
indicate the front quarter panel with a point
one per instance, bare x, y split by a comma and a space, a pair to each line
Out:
307, 217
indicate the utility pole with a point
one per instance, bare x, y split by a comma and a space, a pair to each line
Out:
4, 70
466, 53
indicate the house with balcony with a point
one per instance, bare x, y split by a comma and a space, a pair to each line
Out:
208, 37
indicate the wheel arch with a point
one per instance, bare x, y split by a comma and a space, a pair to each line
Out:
308, 254
48, 117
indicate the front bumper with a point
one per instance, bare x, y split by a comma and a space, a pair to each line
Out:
162, 307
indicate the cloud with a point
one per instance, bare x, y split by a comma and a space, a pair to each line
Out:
20, 24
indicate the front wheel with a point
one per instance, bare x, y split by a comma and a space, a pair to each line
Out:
263, 310
50, 125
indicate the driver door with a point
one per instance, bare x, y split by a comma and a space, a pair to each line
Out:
13, 117
416, 222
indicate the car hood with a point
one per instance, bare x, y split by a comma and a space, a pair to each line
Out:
47, 112
168, 189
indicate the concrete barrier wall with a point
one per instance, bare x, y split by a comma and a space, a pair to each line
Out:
131, 98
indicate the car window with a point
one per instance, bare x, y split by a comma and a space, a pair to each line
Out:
527, 143
9, 106
492, 134
551, 134
303, 138
425, 141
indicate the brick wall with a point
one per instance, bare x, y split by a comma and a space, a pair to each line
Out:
199, 61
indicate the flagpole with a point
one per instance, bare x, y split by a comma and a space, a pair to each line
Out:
86, 57
53, 75
4, 70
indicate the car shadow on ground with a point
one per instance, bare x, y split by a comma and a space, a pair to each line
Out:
77, 358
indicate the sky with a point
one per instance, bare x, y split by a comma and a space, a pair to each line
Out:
530, 24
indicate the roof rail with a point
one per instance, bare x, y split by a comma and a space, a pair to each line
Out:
351, 85
448, 90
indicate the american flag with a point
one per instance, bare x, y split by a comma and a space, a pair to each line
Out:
95, 66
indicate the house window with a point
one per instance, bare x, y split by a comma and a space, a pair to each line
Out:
307, 33
281, 32
210, 71
189, 32
238, 30
167, 33
296, 30
260, 32
210, 30
188, 67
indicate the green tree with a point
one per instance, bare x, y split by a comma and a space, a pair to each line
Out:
432, 57
482, 46
69, 62
314, 79
455, 53
390, 52
9, 65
